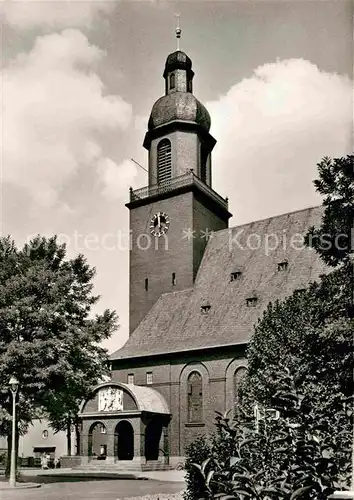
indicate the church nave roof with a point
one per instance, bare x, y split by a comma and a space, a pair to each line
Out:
234, 285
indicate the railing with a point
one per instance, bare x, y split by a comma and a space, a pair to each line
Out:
188, 179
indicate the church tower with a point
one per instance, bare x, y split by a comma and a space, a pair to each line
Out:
172, 218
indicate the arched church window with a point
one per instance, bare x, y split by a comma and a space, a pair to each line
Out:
172, 81
195, 397
163, 161
238, 378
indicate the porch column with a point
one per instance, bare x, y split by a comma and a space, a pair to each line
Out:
166, 444
142, 441
110, 426
142, 446
84, 441
137, 440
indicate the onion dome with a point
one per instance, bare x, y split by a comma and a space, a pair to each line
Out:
178, 60
182, 106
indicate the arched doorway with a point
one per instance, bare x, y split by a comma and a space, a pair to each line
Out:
97, 441
124, 441
153, 433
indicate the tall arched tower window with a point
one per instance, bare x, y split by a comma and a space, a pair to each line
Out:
238, 377
203, 163
195, 397
172, 81
164, 161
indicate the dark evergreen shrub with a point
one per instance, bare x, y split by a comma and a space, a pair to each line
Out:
197, 452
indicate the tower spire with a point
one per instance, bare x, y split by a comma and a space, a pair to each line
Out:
178, 30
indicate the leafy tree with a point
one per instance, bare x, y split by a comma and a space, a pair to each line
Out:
310, 334
87, 365
308, 337
336, 183
278, 459
49, 338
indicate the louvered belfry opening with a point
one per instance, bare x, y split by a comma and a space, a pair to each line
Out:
164, 161
203, 164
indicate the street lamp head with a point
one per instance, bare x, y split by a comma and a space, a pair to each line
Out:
14, 383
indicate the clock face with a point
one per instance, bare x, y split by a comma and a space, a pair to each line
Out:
159, 224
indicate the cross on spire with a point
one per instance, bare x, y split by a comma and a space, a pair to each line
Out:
178, 30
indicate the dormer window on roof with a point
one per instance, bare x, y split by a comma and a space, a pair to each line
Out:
251, 301
283, 266
235, 275
205, 308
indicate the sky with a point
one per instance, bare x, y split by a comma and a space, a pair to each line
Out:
78, 83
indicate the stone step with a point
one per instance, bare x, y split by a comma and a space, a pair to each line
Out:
109, 467
125, 466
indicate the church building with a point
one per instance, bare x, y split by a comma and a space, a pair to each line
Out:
197, 287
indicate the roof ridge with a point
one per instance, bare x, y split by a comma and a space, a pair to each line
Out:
268, 218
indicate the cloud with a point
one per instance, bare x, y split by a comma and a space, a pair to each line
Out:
54, 111
116, 178
141, 123
272, 130
54, 14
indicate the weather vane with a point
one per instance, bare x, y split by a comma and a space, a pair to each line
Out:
178, 30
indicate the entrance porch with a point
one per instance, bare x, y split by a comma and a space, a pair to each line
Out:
125, 426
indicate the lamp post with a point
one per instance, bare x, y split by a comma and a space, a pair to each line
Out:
14, 383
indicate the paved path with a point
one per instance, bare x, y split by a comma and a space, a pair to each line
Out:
4, 485
61, 488
171, 476
174, 476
